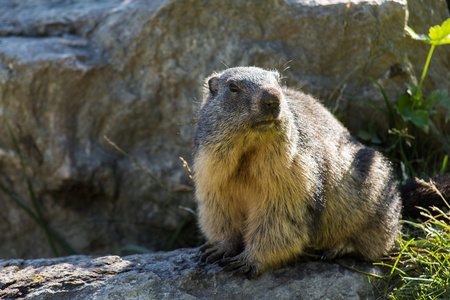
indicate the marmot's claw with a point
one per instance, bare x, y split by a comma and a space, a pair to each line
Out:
205, 256
327, 256
233, 266
214, 257
211, 253
201, 258
198, 256
205, 247
226, 261
237, 268
251, 274
242, 271
201, 255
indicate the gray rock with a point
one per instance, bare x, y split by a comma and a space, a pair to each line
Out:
176, 275
74, 71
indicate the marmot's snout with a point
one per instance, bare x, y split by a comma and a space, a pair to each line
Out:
269, 105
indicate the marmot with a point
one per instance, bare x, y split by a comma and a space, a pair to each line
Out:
275, 172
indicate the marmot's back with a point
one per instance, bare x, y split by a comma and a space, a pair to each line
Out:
276, 172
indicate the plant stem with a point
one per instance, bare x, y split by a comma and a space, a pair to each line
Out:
419, 89
142, 168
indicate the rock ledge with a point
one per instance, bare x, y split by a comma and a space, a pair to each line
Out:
176, 275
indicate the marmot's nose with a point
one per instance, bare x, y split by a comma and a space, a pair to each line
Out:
270, 103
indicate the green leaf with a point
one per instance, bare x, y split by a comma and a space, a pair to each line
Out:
418, 117
437, 98
371, 134
404, 102
440, 35
364, 135
405, 108
418, 37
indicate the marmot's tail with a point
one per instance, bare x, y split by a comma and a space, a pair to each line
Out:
425, 193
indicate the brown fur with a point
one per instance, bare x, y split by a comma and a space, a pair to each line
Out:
426, 194
276, 172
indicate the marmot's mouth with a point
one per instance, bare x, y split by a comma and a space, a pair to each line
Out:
265, 124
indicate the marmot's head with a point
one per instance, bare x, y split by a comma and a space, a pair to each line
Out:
251, 96
242, 106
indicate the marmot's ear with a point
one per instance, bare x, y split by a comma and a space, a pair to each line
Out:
213, 84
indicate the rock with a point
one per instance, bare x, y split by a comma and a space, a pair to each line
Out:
176, 275
74, 71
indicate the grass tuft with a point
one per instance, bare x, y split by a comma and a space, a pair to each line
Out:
421, 269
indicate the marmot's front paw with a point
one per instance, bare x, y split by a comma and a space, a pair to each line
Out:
337, 251
240, 265
215, 251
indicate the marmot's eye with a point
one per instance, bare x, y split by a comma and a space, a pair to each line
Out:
233, 88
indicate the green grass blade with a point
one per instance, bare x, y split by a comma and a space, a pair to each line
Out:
444, 164
405, 160
134, 248
388, 104
368, 103
394, 267
40, 218
176, 234
19, 203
